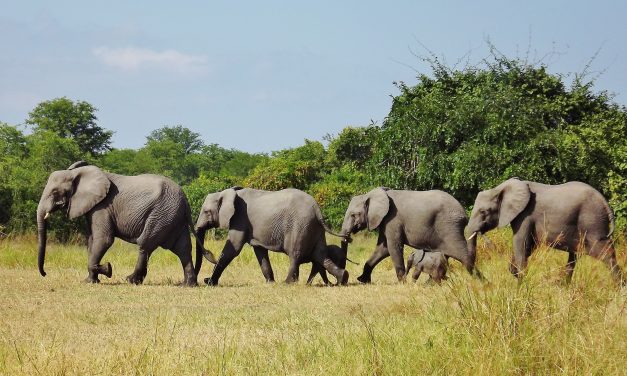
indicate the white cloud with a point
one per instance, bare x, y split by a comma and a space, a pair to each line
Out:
132, 58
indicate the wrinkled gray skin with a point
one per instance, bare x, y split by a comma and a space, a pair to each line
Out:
287, 221
148, 210
432, 263
564, 216
420, 219
338, 255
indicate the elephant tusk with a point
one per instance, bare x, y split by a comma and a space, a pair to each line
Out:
473, 235
47, 215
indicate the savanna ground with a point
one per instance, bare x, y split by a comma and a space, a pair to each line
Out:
59, 325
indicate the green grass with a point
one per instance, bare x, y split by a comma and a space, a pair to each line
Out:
59, 325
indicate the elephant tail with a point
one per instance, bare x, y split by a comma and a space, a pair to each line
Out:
324, 224
611, 217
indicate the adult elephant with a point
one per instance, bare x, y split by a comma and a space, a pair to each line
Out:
148, 210
432, 220
566, 217
287, 221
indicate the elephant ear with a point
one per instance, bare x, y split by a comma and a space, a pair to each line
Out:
514, 197
378, 206
419, 255
227, 207
91, 186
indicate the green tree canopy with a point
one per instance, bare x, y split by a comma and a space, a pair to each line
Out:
466, 130
291, 168
189, 141
76, 120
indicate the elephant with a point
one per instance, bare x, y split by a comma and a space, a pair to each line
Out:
148, 210
288, 221
565, 216
433, 263
432, 220
339, 257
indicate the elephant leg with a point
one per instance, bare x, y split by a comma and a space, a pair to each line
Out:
183, 249
523, 244
416, 273
323, 275
229, 252
457, 248
340, 274
604, 250
141, 267
321, 257
379, 254
314, 270
410, 263
293, 271
264, 262
436, 277
98, 246
570, 265
395, 250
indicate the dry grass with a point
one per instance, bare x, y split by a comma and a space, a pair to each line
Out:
59, 325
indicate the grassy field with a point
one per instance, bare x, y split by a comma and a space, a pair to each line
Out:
59, 325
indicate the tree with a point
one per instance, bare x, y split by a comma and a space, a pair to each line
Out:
467, 130
188, 140
76, 120
291, 168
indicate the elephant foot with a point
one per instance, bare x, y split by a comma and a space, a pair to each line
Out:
210, 282
190, 283
364, 279
135, 279
344, 280
91, 280
106, 270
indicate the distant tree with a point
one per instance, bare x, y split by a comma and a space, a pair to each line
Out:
178, 134
122, 161
12, 152
291, 168
76, 120
353, 145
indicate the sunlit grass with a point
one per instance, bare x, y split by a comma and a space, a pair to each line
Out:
59, 325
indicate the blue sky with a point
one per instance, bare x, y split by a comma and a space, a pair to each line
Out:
261, 76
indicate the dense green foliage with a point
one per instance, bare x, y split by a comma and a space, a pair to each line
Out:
456, 130
76, 120
463, 131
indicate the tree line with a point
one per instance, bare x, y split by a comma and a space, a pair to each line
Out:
458, 130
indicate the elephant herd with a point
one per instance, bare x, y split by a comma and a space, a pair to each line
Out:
152, 211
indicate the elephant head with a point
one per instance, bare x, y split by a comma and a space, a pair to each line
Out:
498, 206
366, 211
76, 191
217, 211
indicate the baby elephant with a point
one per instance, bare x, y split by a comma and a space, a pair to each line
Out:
433, 263
337, 255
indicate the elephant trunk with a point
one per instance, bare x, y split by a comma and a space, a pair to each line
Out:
42, 216
200, 240
200, 249
347, 229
